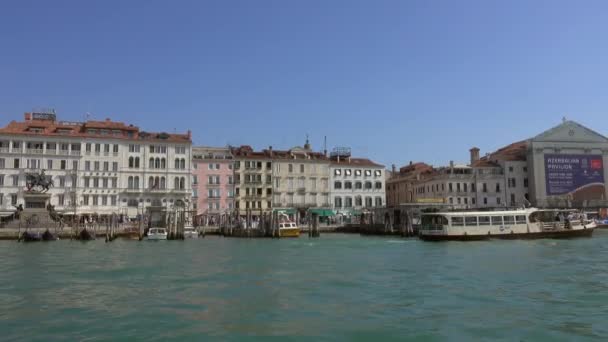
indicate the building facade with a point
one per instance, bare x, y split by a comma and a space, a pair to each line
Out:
212, 180
98, 167
301, 179
356, 183
566, 167
400, 185
253, 187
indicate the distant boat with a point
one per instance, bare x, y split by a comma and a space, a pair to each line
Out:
157, 234
528, 223
288, 229
190, 233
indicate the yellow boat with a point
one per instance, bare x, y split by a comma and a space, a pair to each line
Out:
288, 229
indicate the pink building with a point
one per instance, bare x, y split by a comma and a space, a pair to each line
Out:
212, 183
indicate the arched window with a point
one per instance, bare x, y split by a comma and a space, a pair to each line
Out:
182, 183
131, 162
157, 182
183, 164
337, 185
157, 163
368, 202
368, 185
151, 182
136, 162
130, 182
358, 185
378, 201
358, 201
151, 163
163, 163
162, 183
338, 202
176, 163
348, 202
136, 182
176, 184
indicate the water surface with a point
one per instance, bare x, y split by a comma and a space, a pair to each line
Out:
338, 287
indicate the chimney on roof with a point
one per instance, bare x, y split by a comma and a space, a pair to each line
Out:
189, 134
107, 119
411, 163
270, 150
474, 154
451, 164
27, 116
394, 168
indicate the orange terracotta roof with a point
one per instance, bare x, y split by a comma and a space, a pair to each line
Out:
512, 152
53, 128
483, 162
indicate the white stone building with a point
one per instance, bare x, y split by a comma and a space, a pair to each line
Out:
356, 183
98, 167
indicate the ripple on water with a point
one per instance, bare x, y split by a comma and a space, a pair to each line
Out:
332, 288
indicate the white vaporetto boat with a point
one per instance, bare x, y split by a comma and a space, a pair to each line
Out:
157, 234
530, 223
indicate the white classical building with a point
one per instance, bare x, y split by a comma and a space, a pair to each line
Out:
98, 167
356, 183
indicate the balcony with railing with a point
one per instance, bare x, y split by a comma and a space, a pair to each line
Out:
34, 151
75, 152
3, 149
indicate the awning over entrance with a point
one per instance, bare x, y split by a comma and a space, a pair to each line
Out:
322, 212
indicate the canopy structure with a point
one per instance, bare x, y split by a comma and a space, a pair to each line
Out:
322, 212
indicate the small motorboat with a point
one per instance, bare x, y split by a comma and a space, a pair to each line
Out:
157, 234
287, 227
190, 233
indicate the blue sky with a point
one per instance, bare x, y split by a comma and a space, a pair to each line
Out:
394, 80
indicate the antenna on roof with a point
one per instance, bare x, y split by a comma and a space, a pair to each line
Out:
325, 145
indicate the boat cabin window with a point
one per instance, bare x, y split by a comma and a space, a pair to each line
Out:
543, 216
484, 220
434, 220
457, 221
496, 220
509, 219
520, 219
470, 221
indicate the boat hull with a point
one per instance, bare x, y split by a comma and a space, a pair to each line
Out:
157, 237
190, 235
562, 234
289, 232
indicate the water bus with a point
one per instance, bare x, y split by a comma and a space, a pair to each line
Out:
529, 223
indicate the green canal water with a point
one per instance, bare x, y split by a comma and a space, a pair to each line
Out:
338, 287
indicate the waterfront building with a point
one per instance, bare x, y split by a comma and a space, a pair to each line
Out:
212, 181
566, 167
98, 167
561, 167
356, 183
253, 187
301, 179
400, 184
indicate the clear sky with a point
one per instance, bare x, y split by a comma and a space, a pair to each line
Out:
395, 80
